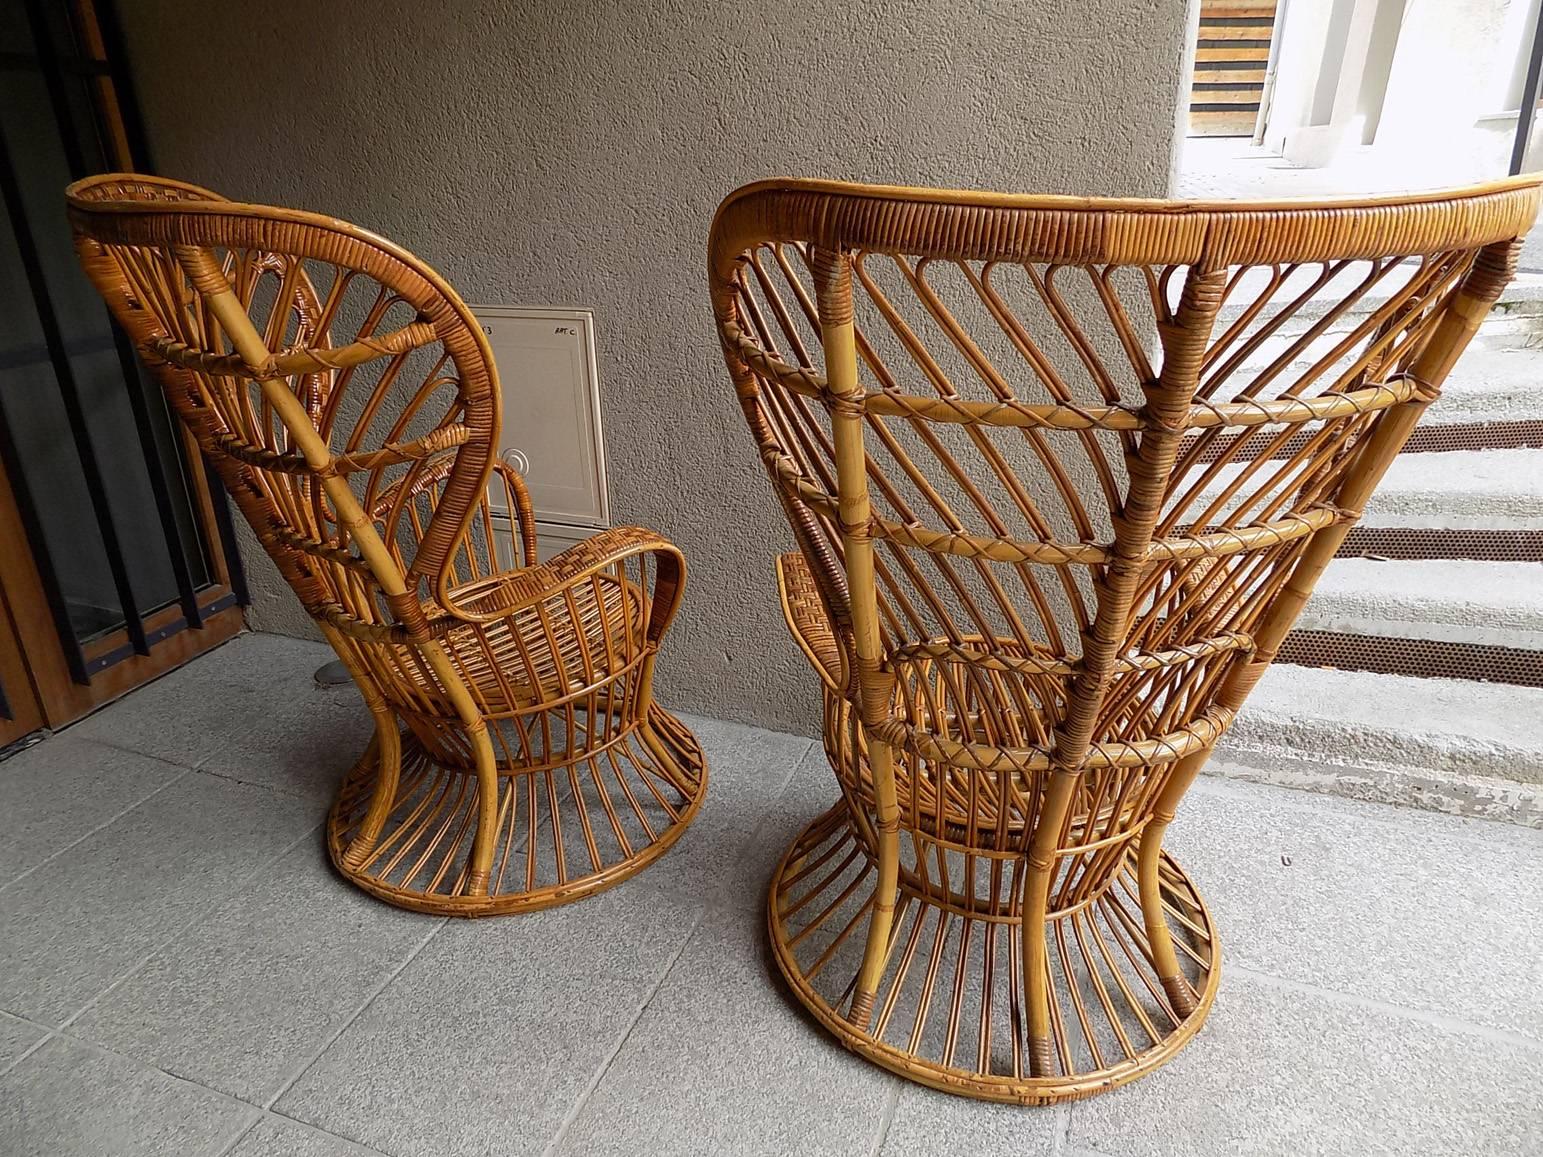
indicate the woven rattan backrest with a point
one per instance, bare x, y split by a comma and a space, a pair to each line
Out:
1087, 443
385, 376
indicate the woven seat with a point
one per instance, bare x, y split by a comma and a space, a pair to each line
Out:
350, 403
519, 667
1062, 473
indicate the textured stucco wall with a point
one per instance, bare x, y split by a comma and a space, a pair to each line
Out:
573, 154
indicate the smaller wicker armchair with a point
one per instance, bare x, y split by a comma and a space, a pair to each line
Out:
349, 401
1062, 473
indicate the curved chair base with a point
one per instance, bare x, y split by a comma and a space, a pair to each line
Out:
563, 832
950, 1005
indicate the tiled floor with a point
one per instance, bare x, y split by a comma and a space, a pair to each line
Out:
182, 974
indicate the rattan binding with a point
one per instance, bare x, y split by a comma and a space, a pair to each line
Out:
350, 403
1062, 473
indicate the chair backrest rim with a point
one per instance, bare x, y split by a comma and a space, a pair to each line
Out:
206, 220
1077, 230
946, 195
219, 206
830, 228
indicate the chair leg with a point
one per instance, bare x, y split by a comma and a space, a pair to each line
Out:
880, 924
1036, 970
669, 763
384, 756
1039, 868
1159, 938
484, 843
385, 753
1148, 864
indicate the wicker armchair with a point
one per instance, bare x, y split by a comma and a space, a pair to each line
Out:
1062, 473
519, 758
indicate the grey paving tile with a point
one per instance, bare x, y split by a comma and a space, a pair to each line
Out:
927, 1121
69, 932
56, 791
1411, 908
16, 1037
809, 793
484, 1043
250, 711
305, 744
189, 713
1234, 776
1285, 1071
275, 1136
748, 767
69, 1099
723, 1061
249, 994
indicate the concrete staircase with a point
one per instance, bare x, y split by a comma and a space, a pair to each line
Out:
1444, 576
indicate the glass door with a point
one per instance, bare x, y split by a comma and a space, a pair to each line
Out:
21, 711
125, 569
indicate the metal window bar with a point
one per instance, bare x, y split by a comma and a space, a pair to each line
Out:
1529, 109
115, 58
74, 657
176, 548
95, 488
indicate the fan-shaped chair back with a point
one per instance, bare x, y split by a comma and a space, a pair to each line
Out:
1086, 444
1062, 473
381, 370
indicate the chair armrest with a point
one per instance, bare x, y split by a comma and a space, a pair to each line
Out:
501, 595
420, 500
522, 514
823, 644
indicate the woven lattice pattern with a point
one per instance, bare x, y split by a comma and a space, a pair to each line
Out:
1062, 474
350, 402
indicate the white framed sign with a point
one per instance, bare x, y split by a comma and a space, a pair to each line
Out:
551, 421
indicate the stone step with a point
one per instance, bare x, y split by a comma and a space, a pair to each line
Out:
1500, 381
1446, 600
1462, 489
1492, 385
1518, 313
1524, 293
1447, 744
1458, 489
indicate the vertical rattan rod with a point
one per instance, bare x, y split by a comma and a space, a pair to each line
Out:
385, 749
1165, 960
669, 583
833, 286
1039, 869
1184, 338
209, 280
1460, 320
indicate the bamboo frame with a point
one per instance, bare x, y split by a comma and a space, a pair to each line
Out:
509, 698
1062, 473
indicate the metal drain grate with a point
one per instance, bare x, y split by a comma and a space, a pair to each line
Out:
1439, 438
1417, 542
1433, 439
1425, 658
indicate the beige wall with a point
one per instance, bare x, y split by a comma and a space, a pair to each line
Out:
573, 154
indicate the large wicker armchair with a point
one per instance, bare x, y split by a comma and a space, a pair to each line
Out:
349, 401
1062, 473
